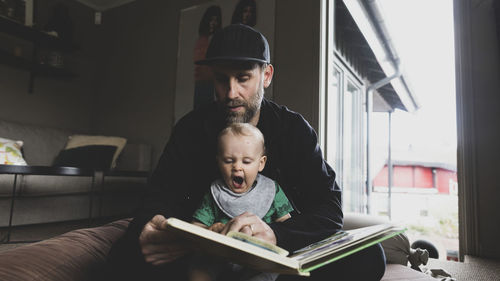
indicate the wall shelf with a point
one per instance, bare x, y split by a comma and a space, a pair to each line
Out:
44, 70
36, 36
39, 39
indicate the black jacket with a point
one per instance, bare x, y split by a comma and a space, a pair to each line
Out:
187, 167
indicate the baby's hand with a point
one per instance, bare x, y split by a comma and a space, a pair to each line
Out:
217, 227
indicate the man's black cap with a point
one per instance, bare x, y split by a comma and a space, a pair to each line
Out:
237, 42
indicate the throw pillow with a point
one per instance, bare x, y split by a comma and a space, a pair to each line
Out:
10, 152
97, 157
85, 140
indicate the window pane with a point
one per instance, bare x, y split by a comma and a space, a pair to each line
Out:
333, 109
352, 172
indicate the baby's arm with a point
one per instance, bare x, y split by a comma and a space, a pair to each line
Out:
283, 218
199, 224
217, 227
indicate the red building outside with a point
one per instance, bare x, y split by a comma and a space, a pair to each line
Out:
423, 196
415, 177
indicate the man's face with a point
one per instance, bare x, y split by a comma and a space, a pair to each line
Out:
240, 160
240, 91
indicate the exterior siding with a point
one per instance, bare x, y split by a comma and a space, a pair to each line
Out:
412, 178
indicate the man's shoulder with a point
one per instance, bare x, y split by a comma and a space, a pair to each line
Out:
282, 112
287, 118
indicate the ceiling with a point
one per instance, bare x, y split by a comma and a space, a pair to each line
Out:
102, 5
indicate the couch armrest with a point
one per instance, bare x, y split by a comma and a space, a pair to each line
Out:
397, 248
355, 220
71, 256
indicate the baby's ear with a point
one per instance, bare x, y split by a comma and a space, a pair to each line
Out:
262, 163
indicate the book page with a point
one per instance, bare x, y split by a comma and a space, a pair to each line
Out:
338, 241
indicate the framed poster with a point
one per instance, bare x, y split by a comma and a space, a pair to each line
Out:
197, 24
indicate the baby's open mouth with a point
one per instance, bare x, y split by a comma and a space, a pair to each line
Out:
237, 181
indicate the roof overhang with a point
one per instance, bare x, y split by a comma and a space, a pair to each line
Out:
368, 18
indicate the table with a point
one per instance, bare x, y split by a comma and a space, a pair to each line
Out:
17, 170
60, 171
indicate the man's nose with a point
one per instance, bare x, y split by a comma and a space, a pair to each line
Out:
232, 87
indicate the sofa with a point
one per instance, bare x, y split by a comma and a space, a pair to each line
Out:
81, 254
44, 200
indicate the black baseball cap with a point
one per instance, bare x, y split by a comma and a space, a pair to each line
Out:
237, 42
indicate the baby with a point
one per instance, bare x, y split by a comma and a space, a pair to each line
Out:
240, 157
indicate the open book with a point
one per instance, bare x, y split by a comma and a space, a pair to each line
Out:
257, 254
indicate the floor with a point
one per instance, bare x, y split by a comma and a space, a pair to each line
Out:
472, 269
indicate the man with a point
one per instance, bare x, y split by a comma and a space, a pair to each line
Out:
239, 57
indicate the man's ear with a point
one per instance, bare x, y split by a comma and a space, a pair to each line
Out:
262, 163
268, 75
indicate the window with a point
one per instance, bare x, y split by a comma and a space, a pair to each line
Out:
344, 145
332, 112
352, 172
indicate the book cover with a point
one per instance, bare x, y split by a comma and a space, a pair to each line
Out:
257, 254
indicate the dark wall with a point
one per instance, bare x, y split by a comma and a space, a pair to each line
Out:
486, 82
296, 81
137, 77
478, 84
127, 71
54, 103
137, 80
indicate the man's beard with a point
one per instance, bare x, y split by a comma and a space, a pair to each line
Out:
251, 108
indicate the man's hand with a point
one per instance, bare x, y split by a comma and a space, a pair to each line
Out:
158, 245
250, 224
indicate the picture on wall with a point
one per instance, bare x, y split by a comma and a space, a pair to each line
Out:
194, 86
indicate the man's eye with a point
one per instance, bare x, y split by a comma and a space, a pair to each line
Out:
243, 79
228, 161
247, 161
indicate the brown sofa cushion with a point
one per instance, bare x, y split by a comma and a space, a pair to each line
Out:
72, 256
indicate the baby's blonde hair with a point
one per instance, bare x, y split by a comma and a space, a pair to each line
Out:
243, 129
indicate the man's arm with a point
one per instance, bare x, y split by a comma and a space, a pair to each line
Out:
165, 196
310, 184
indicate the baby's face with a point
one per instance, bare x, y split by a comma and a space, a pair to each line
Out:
240, 160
